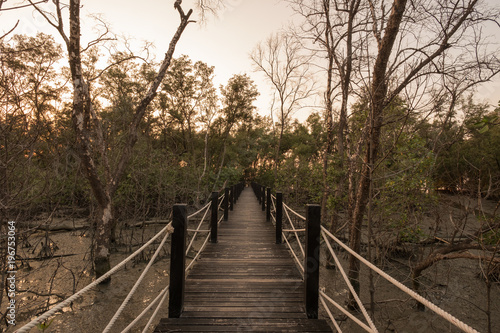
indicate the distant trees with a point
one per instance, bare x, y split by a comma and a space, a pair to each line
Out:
30, 92
287, 68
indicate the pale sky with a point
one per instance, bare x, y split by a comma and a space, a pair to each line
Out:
224, 42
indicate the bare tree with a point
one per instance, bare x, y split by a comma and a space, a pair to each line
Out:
86, 123
337, 31
414, 41
287, 69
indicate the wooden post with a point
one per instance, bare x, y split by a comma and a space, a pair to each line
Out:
241, 187
279, 217
226, 204
231, 198
311, 265
257, 192
263, 193
177, 261
268, 205
215, 217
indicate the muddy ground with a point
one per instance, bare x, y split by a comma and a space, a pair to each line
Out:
454, 285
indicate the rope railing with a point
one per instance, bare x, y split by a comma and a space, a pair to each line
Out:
351, 288
330, 315
292, 251
162, 295
40, 319
344, 311
198, 254
197, 230
199, 211
450, 318
294, 254
294, 212
273, 209
221, 200
294, 230
135, 287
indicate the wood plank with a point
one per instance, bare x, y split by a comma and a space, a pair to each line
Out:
245, 282
242, 325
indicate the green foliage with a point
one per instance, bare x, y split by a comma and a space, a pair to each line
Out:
492, 237
405, 187
44, 325
470, 163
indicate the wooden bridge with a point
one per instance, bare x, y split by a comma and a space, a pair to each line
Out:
243, 282
245, 279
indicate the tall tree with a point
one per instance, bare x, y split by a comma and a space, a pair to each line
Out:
287, 69
88, 127
402, 61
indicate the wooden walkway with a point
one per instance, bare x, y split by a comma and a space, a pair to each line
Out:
245, 282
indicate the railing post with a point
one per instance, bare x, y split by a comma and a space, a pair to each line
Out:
311, 265
268, 205
279, 217
241, 188
215, 217
226, 204
231, 198
177, 261
257, 192
263, 193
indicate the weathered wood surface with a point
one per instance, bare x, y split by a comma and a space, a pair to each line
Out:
242, 325
245, 282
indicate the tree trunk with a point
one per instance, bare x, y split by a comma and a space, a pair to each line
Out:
102, 237
82, 114
378, 93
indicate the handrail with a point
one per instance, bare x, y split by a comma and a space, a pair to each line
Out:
139, 317
207, 208
453, 320
221, 200
294, 230
327, 309
294, 255
327, 236
344, 311
297, 214
351, 288
136, 286
198, 254
273, 198
168, 228
153, 316
199, 211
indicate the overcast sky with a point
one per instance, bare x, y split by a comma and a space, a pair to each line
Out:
224, 42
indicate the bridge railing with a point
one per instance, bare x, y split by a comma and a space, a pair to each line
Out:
310, 235
178, 230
